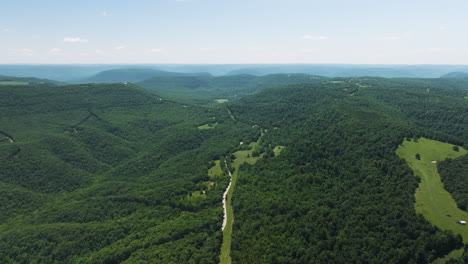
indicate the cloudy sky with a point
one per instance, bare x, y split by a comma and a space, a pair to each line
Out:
234, 31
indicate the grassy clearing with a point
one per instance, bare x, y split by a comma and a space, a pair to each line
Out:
208, 126
13, 83
215, 171
241, 157
361, 86
432, 200
336, 81
277, 150
220, 101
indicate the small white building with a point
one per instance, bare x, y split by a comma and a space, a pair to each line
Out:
462, 222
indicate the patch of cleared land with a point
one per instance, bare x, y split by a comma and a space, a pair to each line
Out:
220, 101
13, 83
336, 81
241, 157
216, 170
432, 200
277, 150
208, 126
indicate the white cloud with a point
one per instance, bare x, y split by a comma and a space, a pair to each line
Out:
310, 37
104, 13
120, 47
205, 49
75, 40
24, 52
55, 51
98, 51
442, 28
6, 30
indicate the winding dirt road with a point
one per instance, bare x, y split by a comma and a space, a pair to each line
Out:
225, 196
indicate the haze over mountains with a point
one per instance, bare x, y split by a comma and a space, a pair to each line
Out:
131, 164
73, 73
132, 172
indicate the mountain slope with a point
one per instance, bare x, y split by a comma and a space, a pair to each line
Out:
455, 75
337, 192
11, 80
112, 173
206, 88
107, 173
129, 75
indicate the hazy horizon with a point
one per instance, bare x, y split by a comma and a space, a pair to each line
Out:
234, 32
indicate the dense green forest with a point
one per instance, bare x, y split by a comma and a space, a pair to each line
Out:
200, 89
114, 173
106, 173
338, 193
454, 175
11, 80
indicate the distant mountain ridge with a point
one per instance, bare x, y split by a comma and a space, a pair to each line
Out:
228, 87
131, 75
455, 75
12, 80
74, 72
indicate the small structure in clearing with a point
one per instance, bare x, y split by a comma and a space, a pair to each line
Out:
462, 222
434, 162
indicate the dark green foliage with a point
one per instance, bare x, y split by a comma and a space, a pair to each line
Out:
206, 88
111, 173
105, 173
337, 193
29, 80
454, 175
417, 156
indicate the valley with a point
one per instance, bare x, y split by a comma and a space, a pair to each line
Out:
291, 169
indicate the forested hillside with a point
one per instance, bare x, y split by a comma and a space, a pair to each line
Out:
114, 173
11, 80
107, 174
338, 193
131, 75
201, 89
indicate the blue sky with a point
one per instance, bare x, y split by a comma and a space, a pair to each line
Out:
240, 31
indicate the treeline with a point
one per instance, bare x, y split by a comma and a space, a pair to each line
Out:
454, 175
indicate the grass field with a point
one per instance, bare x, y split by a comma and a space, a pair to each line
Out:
277, 150
432, 200
241, 157
208, 126
13, 83
216, 170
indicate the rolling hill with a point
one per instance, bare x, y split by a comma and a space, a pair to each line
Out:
207, 88
114, 173
455, 75
130, 75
